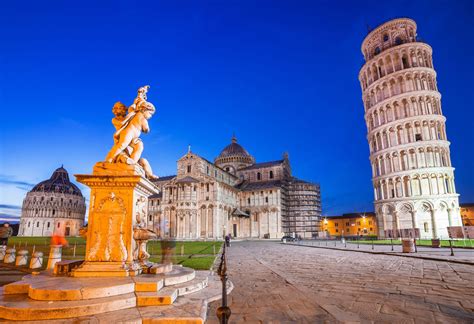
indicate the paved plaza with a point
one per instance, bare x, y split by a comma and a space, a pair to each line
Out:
278, 283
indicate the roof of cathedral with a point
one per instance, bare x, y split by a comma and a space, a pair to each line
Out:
59, 182
263, 165
234, 149
165, 178
259, 185
158, 195
187, 179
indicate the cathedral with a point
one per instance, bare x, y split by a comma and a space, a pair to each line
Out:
234, 195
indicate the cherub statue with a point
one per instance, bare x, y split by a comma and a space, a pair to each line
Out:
128, 146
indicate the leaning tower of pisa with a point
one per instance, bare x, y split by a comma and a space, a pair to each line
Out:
412, 174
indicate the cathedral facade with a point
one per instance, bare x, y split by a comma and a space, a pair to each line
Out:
234, 195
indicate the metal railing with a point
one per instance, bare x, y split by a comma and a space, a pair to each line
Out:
223, 312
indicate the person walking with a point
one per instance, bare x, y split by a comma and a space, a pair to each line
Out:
5, 232
227, 240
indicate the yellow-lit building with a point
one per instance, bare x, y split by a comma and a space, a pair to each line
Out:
354, 224
467, 214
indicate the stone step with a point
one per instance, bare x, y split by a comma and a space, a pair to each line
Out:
21, 308
44, 287
165, 296
198, 283
148, 284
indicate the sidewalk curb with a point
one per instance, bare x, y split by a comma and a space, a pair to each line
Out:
385, 253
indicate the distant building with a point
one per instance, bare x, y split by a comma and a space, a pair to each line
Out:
234, 195
467, 214
353, 224
53, 206
412, 174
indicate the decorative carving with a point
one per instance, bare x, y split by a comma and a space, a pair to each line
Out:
108, 241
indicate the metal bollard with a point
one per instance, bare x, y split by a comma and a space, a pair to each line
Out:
372, 244
391, 242
451, 247
10, 256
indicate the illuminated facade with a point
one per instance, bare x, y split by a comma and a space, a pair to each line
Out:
234, 195
354, 224
467, 214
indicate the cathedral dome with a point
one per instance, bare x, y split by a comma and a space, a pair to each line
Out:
59, 182
234, 157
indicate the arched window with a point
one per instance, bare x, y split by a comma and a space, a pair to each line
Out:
59, 224
271, 174
248, 201
259, 176
37, 224
377, 50
54, 212
189, 168
398, 41
385, 37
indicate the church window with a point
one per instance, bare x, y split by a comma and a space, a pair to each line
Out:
42, 198
151, 203
337, 231
69, 214
189, 168
36, 211
248, 201
54, 212
266, 199
59, 224
29, 224
417, 137
398, 40
150, 218
37, 224
377, 50
207, 170
347, 223
49, 224
271, 174
425, 225
371, 229
385, 37
259, 176
207, 187
336, 224
194, 188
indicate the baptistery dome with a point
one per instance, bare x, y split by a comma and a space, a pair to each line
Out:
234, 157
53, 206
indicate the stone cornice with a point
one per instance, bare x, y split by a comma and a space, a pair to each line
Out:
414, 145
413, 172
419, 118
396, 74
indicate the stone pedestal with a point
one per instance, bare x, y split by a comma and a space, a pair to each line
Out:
408, 245
55, 255
10, 256
118, 205
36, 260
22, 258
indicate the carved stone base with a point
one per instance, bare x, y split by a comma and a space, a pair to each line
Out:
106, 168
106, 269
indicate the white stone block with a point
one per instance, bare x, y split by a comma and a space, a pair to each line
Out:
10, 256
22, 258
55, 254
37, 260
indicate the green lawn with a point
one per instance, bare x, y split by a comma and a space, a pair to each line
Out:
198, 255
444, 243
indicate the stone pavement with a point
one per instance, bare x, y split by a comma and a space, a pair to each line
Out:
9, 274
461, 255
277, 283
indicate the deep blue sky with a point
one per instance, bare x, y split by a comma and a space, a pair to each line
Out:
281, 75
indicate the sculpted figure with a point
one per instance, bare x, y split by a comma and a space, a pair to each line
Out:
128, 146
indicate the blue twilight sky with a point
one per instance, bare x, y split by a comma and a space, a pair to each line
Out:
282, 75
